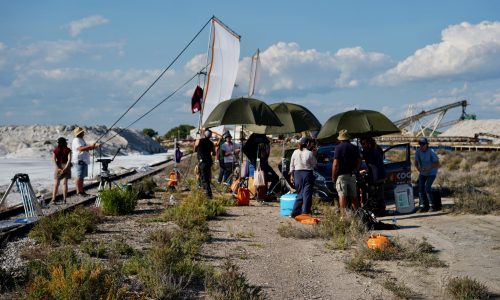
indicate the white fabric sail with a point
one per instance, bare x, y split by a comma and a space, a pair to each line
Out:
223, 68
254, 73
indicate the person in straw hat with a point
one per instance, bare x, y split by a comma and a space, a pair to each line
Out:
81, 158
346, 162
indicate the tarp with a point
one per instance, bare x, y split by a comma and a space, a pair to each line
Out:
223, 68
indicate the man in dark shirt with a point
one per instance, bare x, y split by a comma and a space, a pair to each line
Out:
376, 175
346, 162
205, 150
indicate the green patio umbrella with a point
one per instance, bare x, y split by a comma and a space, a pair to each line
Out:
359, 123
242, 111
295, 118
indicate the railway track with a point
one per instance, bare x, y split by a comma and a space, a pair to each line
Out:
10, 218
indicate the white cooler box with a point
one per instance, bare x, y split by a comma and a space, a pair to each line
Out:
403, 198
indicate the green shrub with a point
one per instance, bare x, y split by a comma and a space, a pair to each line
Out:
67, 228
93, 248
341, 231
145, 188
169, 267
193, 212
117, 201
415, 252
7, 281
62, 275
359, 265
122, 248
132, 265
465, 288
231, 284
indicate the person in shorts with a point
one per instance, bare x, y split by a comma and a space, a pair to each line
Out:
346, 163
81, 159
61, 156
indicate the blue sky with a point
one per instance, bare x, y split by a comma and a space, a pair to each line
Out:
85, 62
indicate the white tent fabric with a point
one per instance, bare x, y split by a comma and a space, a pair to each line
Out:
223, 68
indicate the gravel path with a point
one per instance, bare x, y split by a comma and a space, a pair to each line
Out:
287, 268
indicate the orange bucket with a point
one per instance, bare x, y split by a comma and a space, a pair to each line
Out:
378, 242
243, 197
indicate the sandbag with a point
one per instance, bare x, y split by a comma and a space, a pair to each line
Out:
306, 219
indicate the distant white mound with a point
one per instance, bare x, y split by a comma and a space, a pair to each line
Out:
469, 128
36, 141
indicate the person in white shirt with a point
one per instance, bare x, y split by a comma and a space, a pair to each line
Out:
228, 153
302, 165
81, 158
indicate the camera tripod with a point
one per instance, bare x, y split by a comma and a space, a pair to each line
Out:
105, 178
282, 184
31, 206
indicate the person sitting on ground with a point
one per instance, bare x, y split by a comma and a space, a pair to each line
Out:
427, 163
346, 163
376, 175
302, 165
81, 159
61, 156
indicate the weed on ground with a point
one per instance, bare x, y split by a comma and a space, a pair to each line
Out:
465, 288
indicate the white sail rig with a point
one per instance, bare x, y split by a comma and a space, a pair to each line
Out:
224, 55
254, 73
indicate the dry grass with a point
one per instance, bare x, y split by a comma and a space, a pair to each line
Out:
474, 179
399, 289
465, 288
341, 232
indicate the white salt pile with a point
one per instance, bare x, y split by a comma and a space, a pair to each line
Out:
36, 141
469, 128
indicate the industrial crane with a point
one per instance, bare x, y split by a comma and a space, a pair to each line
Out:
435, 123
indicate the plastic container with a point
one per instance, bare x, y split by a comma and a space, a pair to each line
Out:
403, 198
378, 242
286, 204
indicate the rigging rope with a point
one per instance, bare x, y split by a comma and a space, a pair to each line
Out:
156, 80
154, 107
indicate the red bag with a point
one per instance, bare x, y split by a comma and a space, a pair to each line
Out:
243, 197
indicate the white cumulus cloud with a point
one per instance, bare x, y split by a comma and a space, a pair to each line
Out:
287, 69
466, 51
76, 27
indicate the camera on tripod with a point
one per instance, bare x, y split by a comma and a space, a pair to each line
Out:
105, 162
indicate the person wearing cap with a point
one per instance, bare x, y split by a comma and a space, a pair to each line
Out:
61, 157
205, 149
227, 149
220, 158
81, 159
427, 163
346, 163
302, 164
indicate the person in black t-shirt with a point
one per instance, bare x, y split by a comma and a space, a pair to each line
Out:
205, 150
346, 163
376, 175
